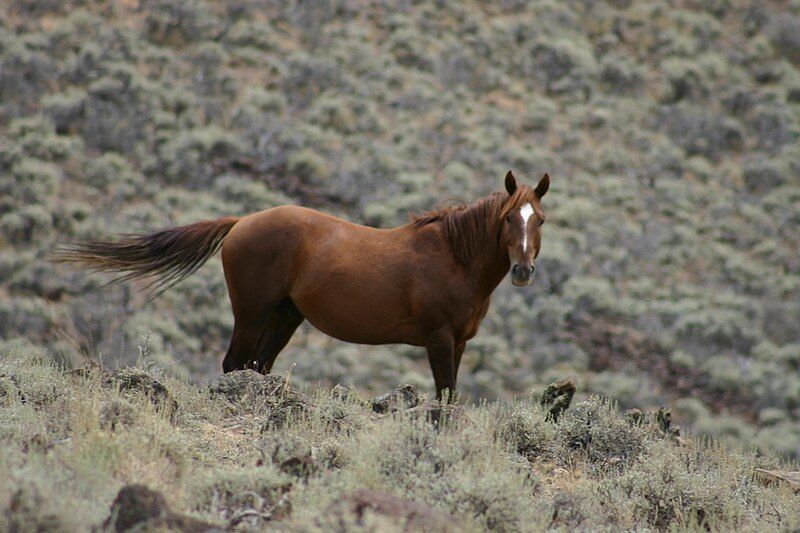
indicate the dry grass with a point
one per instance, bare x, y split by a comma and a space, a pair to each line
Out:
70, 442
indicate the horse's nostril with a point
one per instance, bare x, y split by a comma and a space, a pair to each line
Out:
533, 269
524, 271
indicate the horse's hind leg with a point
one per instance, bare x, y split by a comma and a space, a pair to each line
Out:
243, 345
285, 320
259, 338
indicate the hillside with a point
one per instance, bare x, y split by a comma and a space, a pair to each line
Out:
251, 454
670, 264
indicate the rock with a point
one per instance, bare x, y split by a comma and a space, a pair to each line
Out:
402, 397
790, 478
135, 504
239, 384
137, 508
132, 380
300, 466
413, 516
558, 396
276, 395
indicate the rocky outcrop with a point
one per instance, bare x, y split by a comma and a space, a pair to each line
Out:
138, 508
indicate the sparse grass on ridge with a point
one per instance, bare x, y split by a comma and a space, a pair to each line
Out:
70, 440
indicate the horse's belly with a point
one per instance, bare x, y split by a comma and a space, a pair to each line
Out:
362, 333
360, 328
357, 316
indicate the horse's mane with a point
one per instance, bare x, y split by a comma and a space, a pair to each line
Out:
474, 229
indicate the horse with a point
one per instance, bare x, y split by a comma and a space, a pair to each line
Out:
427, 283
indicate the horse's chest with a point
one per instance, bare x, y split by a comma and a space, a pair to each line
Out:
474, 319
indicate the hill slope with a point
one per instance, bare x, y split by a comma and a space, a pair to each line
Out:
669, 269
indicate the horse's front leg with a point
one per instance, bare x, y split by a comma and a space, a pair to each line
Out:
441, 356
459, 351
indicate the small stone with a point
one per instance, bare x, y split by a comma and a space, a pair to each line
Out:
300, 466
135, 504
138, 508
787, 477
402, 397
238, 384
131, 380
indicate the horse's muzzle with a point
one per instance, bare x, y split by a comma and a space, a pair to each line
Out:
522, 275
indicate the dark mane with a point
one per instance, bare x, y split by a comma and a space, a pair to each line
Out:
474, 229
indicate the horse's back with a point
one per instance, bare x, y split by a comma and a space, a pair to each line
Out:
291, 218
350, 281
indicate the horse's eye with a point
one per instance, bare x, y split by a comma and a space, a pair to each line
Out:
541, 221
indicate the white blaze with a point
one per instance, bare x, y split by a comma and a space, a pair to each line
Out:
526, 211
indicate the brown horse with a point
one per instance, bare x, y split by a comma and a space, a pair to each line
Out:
427, 283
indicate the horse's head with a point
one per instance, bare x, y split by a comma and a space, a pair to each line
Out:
522, 227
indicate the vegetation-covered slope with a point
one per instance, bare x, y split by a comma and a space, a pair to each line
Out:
262, 455
669, 269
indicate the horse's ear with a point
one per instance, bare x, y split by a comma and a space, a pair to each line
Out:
511, 183
544, 184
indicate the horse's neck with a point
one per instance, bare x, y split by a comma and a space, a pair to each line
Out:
490, 270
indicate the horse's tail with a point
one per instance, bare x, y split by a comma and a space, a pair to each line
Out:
169, 255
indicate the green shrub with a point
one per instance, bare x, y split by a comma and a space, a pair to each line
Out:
230, 494
66, 109
701, 133
409, 49
308, 165
783, 31
773, 127
669, 486
118, 110
564, 66
178, 22
596, 429
112, 173
620, 75
308, 77
460, 471
27, 72
189, 158
526, 430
